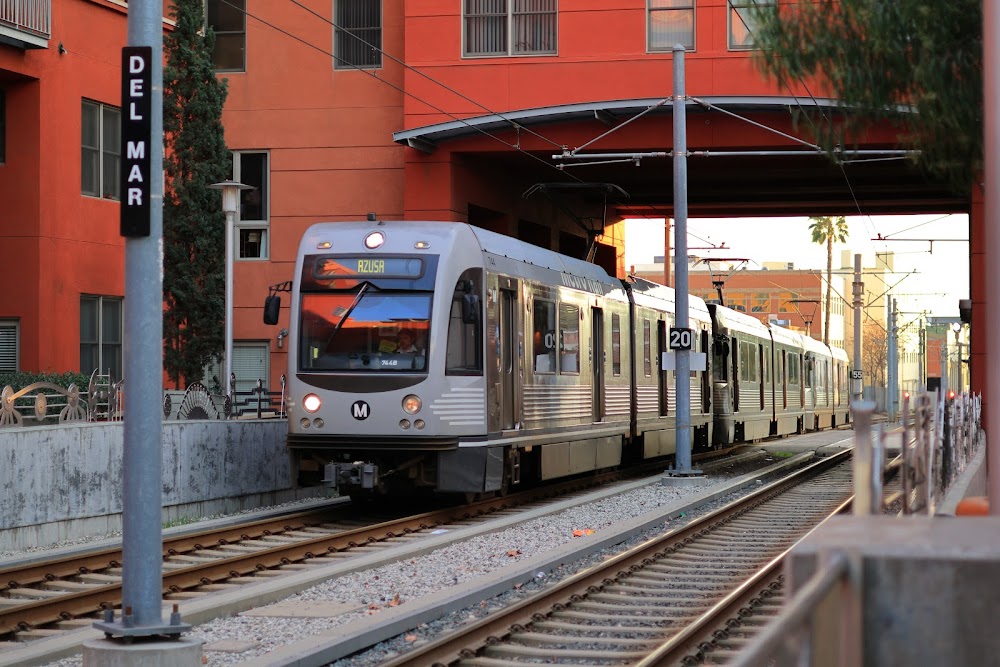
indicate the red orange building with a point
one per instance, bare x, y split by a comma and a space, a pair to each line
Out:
415, 110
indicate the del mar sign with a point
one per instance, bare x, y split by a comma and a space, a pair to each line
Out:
137, 91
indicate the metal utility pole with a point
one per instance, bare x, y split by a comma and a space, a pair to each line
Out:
991, 239
681, 334
892, 357
142, 226
666, 253
944, 365
859, 291
920, 355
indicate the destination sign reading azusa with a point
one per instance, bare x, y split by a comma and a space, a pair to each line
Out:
384, 267
137, 107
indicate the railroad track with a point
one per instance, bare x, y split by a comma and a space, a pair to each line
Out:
653, 604
48, 597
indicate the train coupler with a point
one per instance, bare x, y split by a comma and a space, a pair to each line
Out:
358, 475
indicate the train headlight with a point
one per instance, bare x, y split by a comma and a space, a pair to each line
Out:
419, 424
411, 404
374, 240
319, 423
305, 423
311, 403
404, 424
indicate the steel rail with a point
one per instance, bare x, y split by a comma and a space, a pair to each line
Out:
96, 598
686, 641
493, 628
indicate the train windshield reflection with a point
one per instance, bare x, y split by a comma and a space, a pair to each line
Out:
365, 331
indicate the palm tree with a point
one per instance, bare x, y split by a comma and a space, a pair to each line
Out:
827, 230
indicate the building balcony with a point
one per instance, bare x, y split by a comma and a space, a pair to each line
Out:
25, 24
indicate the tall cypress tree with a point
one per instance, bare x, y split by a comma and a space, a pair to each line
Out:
193, 222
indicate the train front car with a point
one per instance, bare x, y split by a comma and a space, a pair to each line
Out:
386, 358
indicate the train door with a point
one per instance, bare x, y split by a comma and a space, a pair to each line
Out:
597, 362
784, 379
706, 377
664, 382
737, 352
760, 373
508, 353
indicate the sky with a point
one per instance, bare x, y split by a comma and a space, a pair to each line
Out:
931, 277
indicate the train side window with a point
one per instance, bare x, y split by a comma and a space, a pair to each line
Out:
544, 336
464, 354
793, 369
647, 361
720, 354
616, 345
569, 339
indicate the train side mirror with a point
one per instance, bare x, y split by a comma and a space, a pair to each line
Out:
470, 308
272, 306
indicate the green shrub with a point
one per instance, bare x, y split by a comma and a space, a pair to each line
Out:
21, 380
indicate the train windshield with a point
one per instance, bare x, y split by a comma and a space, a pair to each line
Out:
365, 330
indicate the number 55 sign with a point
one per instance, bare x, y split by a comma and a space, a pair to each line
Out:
857, 375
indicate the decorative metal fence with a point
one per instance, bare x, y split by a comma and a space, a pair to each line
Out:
45, 403
937, 439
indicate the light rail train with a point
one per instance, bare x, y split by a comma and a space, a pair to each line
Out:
442, 357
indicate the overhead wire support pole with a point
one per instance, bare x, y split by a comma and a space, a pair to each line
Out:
857, 381
682, 374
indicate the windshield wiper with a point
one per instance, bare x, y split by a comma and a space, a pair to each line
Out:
354, 304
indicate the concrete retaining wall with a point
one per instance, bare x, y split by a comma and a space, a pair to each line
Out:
63, 482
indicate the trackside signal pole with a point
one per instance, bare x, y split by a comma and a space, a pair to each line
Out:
681, 336
137, 637
857, 382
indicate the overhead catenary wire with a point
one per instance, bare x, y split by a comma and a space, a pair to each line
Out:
398, 88
416, 71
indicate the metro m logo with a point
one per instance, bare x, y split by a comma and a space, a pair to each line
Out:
359, 410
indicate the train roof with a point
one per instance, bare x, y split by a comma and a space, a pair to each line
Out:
813, 345
576, 272
786, 336
506, 246
737, 321
646, 292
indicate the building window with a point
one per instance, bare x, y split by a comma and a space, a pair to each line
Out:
101, 139
357, 36
251, 362
10, 346
3, 127
228, 19
671, 22
743, 22
252, 226
509, 27
101, 335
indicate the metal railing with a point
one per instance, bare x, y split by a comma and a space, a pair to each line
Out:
29, 16
46, 404
936, 441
